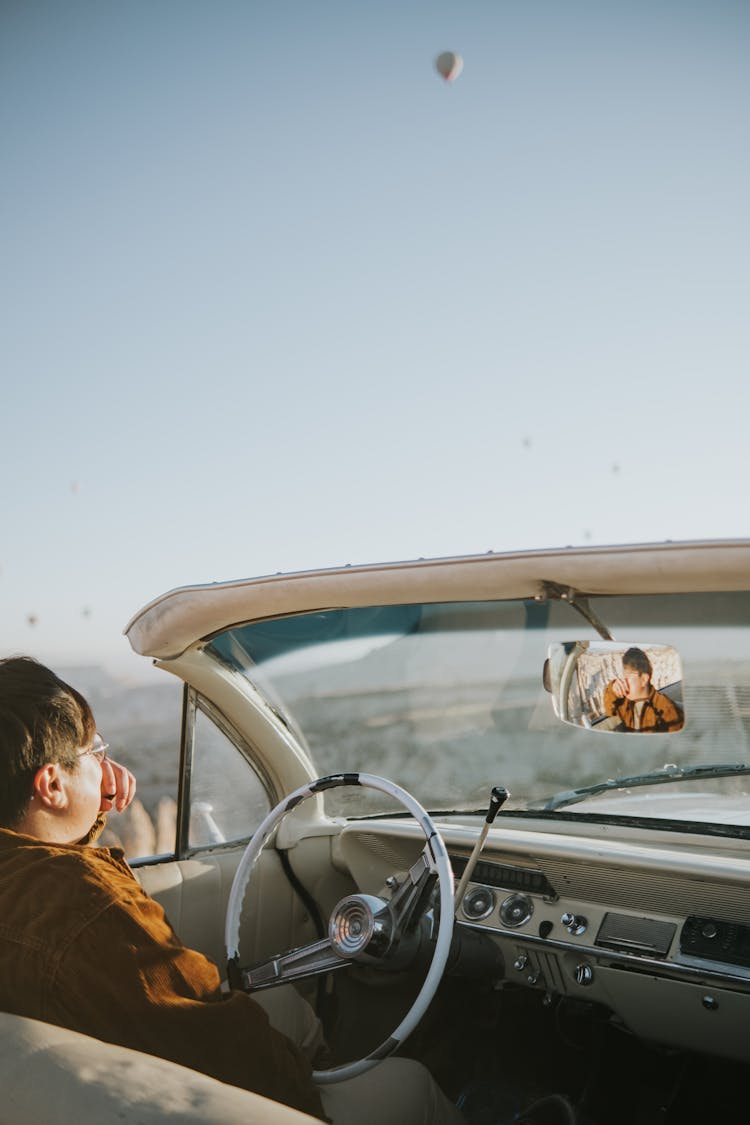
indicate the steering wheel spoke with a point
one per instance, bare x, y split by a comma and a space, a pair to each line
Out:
413, 896
297, 964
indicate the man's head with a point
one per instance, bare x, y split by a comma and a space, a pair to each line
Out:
44, 725
637, 671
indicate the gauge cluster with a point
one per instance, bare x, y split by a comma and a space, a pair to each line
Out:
538, 917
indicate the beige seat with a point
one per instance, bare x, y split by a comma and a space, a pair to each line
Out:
52, 1076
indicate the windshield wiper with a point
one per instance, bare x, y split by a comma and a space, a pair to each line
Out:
663, 776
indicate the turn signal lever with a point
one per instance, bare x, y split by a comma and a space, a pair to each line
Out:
498, 797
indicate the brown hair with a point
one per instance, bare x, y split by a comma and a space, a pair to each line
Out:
42, 720
636, 658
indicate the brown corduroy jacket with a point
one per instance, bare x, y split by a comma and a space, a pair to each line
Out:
659, 712
82, 945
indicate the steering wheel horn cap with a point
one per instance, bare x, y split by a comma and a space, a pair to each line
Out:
360, 926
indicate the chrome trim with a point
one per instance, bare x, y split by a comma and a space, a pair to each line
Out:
677, 970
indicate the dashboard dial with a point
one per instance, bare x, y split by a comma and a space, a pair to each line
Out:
478, 903
516, 910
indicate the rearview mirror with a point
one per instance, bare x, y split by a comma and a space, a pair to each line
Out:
608, 685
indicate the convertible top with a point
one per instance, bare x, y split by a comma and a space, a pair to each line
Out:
171, 623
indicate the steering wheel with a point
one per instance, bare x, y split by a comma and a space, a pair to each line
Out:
362, 928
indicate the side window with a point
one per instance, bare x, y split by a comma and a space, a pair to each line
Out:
141, 722
228, 798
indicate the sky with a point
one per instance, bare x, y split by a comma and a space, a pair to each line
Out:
276, 296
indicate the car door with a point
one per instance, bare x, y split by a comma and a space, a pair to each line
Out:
223, 794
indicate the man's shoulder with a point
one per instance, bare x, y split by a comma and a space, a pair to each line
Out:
66, 873
51, 896
662, 700
667, 707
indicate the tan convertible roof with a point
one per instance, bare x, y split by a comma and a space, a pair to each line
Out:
171, 623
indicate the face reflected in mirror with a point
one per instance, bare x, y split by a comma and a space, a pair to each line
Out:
610, 686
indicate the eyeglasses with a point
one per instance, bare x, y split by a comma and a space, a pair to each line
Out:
98, 748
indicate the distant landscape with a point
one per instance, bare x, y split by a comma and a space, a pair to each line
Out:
432, 743
141, 723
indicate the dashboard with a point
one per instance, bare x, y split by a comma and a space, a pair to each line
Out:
656, 928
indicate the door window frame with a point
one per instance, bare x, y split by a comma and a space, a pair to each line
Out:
192, 703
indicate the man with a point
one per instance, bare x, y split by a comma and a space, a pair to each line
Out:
634, 700
83, 946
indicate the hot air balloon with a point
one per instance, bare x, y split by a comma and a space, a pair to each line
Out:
449, 65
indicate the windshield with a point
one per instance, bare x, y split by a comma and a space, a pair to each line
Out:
449, 700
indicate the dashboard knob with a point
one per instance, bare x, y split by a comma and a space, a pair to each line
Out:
520, 962
584, 974
575, 924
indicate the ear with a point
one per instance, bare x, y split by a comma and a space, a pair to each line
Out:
49, 788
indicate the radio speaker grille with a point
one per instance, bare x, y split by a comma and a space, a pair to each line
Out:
635, 935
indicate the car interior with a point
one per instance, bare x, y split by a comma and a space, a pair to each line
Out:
398, 794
